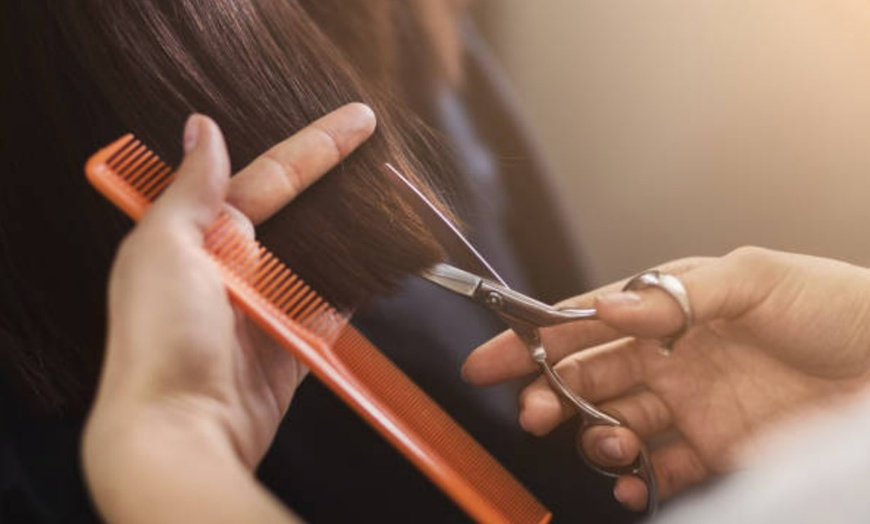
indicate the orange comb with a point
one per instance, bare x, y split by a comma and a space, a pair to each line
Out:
131, 176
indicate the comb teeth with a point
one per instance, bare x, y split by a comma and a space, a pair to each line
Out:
128, 174
141, 169
278, 289
132, 176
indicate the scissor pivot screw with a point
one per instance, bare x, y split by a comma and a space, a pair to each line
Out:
494, 299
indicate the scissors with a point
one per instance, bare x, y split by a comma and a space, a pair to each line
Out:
474, 278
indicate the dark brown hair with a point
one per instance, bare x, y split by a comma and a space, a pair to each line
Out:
83, 72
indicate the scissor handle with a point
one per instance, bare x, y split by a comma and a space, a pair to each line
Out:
641, 468
591, 416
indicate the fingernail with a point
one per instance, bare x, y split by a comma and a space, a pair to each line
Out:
521, 421
629, 500
364, 118
524, 421
463, 372
618, 494
611, 449
191, 132
619, 298
241, 220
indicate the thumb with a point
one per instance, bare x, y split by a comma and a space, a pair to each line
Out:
717, 289
196, 196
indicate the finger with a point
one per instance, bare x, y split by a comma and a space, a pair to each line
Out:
610, 446
275, 178
631, 492
196, 196
506, 357
280, 369
589, 334
541, 409
644, 412
501, 358
645, 415
676, 467
161, 254
713, 287
600, 373
242, 221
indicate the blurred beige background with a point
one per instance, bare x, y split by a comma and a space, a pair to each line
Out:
683, 127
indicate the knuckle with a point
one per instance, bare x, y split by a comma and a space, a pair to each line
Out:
658, 417
680, 471
753, 255
287, 170
648, 416
621, 413
577, 376
686, 264
336, 146
683, 265
667, 478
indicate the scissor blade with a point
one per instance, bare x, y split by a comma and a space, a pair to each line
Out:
457, 247
453, 278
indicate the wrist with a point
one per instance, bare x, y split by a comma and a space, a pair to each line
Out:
130, 451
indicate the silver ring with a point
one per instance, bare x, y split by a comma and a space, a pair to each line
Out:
676, 290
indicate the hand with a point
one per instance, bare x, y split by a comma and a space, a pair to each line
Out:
774, 334
184, 368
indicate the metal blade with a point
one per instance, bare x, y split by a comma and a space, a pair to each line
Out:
458, 248
453, 278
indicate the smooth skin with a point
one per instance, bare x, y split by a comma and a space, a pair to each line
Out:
776, 335
191, 394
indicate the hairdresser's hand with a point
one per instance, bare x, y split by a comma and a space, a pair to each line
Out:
774, 334
191, 393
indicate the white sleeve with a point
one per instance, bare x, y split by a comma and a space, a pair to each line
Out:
814, 472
